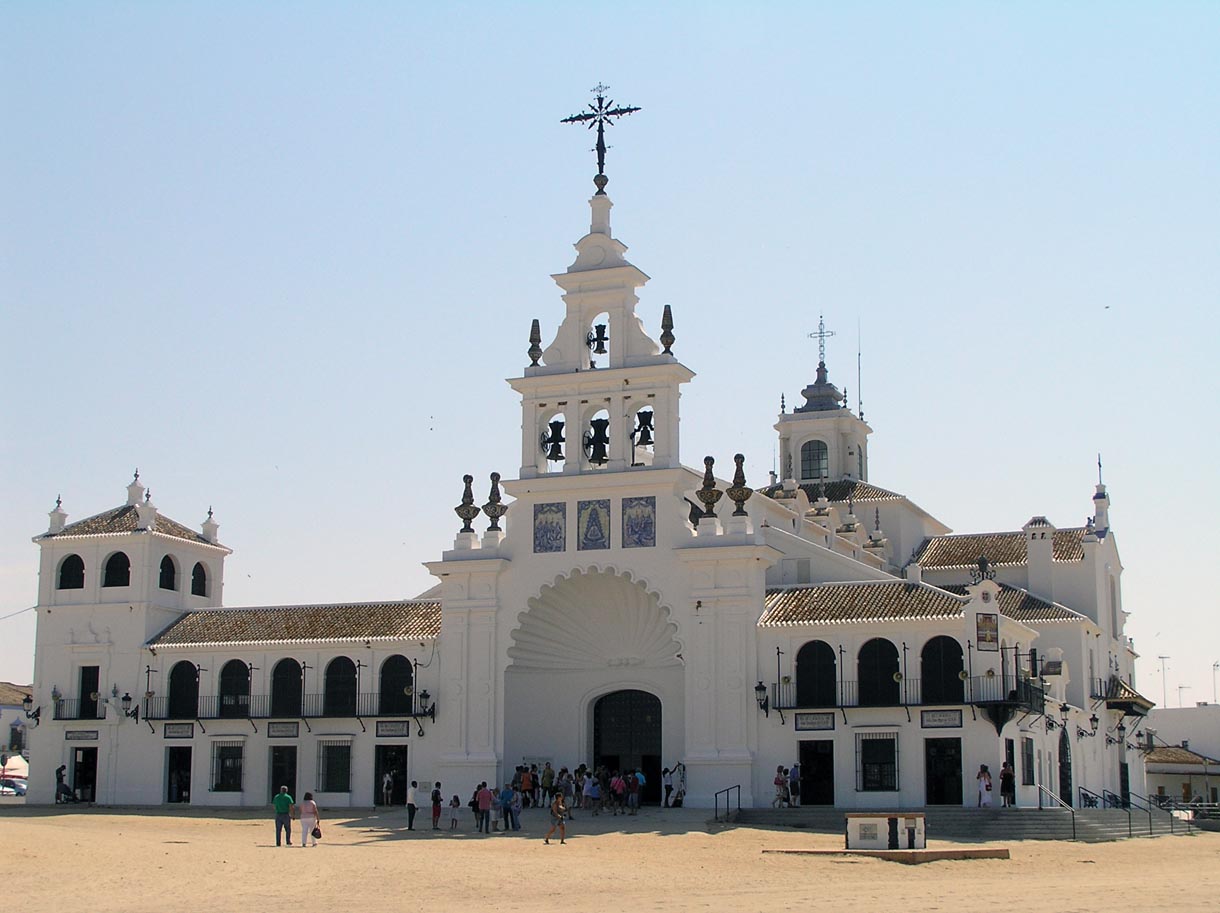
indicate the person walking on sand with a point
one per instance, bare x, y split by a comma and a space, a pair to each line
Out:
411, 807
667, 780
309, 820
283, 803
778, 783
455, 806
559, 812
984, 780
485, 797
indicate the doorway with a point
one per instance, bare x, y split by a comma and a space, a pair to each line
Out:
84, 774
392, 760
817, 758
178, 774
1065, 767
627, 736
943, 771
283, 769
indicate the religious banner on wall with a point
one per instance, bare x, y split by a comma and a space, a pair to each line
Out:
592, 525
814, 722
639, 522
550, 527
987, 632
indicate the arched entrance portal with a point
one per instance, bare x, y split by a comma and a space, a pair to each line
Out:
627, 736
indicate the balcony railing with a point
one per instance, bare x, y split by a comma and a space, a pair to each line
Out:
978, 689
261, 707
80, 709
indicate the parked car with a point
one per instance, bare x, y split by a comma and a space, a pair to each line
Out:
12, 787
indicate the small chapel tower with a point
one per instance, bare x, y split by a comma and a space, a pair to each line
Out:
823, 440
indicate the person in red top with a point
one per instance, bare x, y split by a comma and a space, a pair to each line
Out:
527, 787
486, 798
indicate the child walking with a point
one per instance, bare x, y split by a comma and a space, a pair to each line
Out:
454, 805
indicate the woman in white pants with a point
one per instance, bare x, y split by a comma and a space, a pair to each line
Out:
309, 820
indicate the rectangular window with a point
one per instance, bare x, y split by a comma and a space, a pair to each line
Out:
876, 761
1027, 762
335, 766
227, 766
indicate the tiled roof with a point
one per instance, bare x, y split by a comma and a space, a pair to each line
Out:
123, 520
1176, 754
336, 623
1001, 549
839, 603
12, 695
1021, 605
838, 491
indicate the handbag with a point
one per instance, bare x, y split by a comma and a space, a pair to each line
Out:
317, 833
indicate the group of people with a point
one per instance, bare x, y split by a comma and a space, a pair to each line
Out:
1008, 786
287, 810
787, 784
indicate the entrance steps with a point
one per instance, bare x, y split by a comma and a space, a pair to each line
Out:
982, 824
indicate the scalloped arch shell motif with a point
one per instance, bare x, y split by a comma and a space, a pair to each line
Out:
594, 619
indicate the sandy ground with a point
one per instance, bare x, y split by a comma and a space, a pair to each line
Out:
131, 860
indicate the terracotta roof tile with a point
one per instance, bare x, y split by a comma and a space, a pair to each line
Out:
123, 520
1176, 754
840, 603
1023, 606
1001, 549
333, 623
838, 491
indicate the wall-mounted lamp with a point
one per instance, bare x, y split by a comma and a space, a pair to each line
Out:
427, 707
1082, 733
764, 699
1119, 737
27, 704
128, 710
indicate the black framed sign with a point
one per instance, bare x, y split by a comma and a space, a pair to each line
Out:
283, 730
81, 735
393, 728
940, 719
814, 722
178, 730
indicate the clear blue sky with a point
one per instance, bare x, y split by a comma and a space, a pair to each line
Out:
281, 257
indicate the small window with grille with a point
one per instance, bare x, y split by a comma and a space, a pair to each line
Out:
335, 766
227, 759
876, 762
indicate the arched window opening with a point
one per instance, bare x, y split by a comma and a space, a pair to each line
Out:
643, 437
169, 574
235, 689
941, 667
117, 571
183, 691
339, 688
199, 580
816, 675
72, 573
596, 439
397, 688
878, 674
553, 442
815, 460
286, 688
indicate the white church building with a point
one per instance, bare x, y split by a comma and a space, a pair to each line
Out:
611, 604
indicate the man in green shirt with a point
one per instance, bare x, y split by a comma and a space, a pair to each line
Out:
283, 815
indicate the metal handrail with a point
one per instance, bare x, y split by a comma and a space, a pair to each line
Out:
1042, 790
1147, 807
1106, 800
727, 793
1168, 811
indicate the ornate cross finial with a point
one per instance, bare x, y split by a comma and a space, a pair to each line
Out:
601, 115
821, 336
136, 477
493, 508
739, 493
59, 502
1099, 482
209, 511
535, 350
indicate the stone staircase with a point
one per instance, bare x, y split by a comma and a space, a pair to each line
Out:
983, 824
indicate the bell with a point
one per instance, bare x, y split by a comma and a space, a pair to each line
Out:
597, 340
643, 431
552, 442
596, 441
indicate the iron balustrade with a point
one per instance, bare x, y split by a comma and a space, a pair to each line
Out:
913, 692
259, 707
80, 709
1099, 689
1090, 799
1021, 692
1047, 799
728, 792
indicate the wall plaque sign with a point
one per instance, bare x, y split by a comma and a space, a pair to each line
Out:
81, 735
592, 525
814, 722
987, 632
283, 730
550, 527
639, 522
178, 730
940, 719
397, 728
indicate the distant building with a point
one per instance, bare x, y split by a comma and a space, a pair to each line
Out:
619, 608
12, 717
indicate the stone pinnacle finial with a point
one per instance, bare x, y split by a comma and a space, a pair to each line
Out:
467, 510
739, 493
209, 511
709, 494
877, 518
136, 475
535, 349
493, 508
783, 404
667, 330
59, 502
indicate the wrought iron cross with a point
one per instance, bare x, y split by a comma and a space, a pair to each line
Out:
601, 115
821, 336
